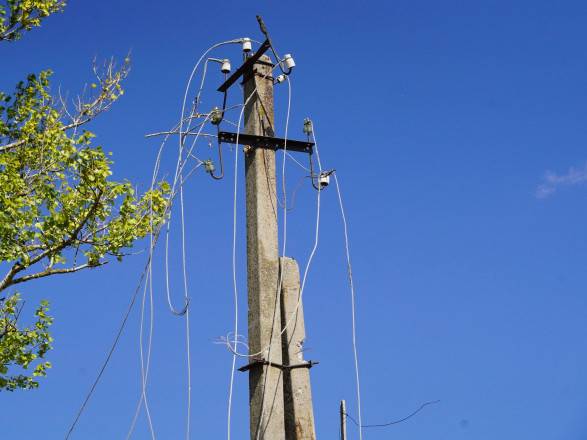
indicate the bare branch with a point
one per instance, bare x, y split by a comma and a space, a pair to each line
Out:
49, 271
109, 90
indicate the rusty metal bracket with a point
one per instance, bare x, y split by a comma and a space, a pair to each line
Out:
260, 362
268, 142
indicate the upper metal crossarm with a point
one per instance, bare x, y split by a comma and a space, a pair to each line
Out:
248, 64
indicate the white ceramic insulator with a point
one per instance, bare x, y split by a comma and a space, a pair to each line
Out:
247, 45
289, 61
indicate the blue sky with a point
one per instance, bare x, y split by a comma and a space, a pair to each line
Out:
458, 133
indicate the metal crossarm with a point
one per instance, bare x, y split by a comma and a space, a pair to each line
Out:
247, 65
272, 143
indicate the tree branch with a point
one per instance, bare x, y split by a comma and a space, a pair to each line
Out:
73, 235
15, 144
88, 111
48, 272
18, 267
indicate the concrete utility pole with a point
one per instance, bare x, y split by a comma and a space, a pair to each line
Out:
342, 420
299, 414
265, 393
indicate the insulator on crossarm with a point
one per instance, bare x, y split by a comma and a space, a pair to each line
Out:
225, 68
247, 45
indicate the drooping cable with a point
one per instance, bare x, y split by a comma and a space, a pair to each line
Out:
232, 348
179, 169
108, 355
149, 284
394, 422
146, 365
204, 55
126, 315
142, 279
234, 280
177, 178
153, 238
187, 314
353, 306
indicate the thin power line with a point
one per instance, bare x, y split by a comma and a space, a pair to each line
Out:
125, 317
395, 422
143, 278
152, 242
353, 300
130, 306
108, 356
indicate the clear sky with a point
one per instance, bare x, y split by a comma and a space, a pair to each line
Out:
458, 131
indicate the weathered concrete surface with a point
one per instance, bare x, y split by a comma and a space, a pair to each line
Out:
266, 395
299, 414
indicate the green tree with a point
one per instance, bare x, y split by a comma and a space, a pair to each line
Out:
23, 346
17, 16
59, 211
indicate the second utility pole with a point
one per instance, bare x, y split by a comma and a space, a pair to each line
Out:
265, 381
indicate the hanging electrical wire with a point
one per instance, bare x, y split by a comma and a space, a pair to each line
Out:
234, 346
108, 355
185, 311
179, 177
124, 320
353, 306
267, 349
180, 155
197, 102
174, 192
144, 366
394, 422
147, 278
192, 125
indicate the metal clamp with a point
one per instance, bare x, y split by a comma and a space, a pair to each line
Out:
262, 361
